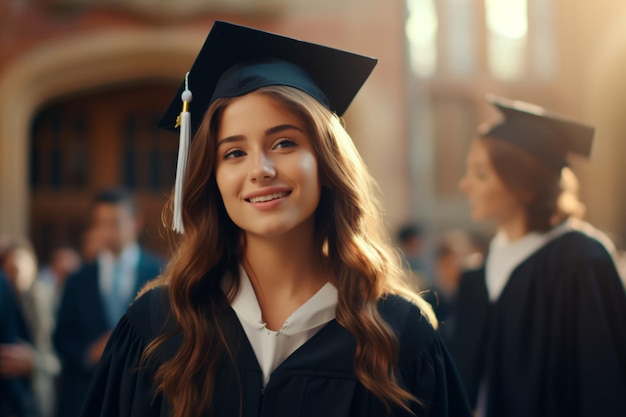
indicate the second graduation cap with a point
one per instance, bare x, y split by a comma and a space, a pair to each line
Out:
548, 136
236, 60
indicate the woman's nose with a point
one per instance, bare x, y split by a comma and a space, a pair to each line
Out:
263, 168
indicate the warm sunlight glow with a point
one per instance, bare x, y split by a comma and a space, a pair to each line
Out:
507, 24
507, 18
421, 32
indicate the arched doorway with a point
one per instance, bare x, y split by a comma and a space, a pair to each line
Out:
99, 138
75, 67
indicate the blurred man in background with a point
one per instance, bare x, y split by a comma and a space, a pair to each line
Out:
96, 297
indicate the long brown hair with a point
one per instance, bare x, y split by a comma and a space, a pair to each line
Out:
549, 197
349, 232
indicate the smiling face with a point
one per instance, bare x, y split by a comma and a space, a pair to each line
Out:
266, 166
489, 197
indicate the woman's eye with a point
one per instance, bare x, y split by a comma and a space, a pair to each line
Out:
284, 143
477, 172
235, 153
481, 175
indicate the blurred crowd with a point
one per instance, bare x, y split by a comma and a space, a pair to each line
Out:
52, 331
436, 263
36, 291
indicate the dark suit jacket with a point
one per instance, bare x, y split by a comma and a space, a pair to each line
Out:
81, 321
16, 397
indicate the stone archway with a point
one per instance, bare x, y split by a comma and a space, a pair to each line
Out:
64, 67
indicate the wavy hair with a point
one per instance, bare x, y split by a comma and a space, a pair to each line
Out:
549, 197
349, 233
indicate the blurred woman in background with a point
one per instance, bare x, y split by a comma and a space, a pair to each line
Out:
540, 329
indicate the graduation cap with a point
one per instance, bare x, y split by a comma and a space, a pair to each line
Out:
236, 60
548, 136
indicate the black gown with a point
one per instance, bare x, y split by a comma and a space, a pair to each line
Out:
554, 343
317, 380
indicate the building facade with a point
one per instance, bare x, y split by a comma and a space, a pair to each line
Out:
82, 83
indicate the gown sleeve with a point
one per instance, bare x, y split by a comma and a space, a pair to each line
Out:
430, 373
590, 309
122, 385
554, 344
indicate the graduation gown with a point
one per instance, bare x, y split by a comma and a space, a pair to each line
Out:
81, 320
554, 343
318, 379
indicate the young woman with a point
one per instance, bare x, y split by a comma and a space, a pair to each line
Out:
284, 297
540, 329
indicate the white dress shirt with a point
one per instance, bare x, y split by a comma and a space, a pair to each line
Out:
504, 256
127, 261
271, 348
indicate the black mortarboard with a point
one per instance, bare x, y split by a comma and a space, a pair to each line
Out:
236, 60
546, 135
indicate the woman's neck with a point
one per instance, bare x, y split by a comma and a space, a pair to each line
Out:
282, 263
284, 272
514, 226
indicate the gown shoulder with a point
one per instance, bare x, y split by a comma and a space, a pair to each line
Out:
425, 365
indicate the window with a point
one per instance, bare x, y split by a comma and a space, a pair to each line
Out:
508, 40
59, 156
421, 31
507, 32
148, 154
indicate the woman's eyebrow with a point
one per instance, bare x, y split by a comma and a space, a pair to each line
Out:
281, 128
230, 139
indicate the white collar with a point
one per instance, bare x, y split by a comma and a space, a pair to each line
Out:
318, 310
504, 256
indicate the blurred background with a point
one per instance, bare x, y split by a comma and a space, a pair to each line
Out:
83, 83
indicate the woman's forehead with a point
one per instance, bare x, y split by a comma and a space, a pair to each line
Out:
255, 111
478, 152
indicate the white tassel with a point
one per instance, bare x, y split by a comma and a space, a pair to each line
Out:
184, 120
